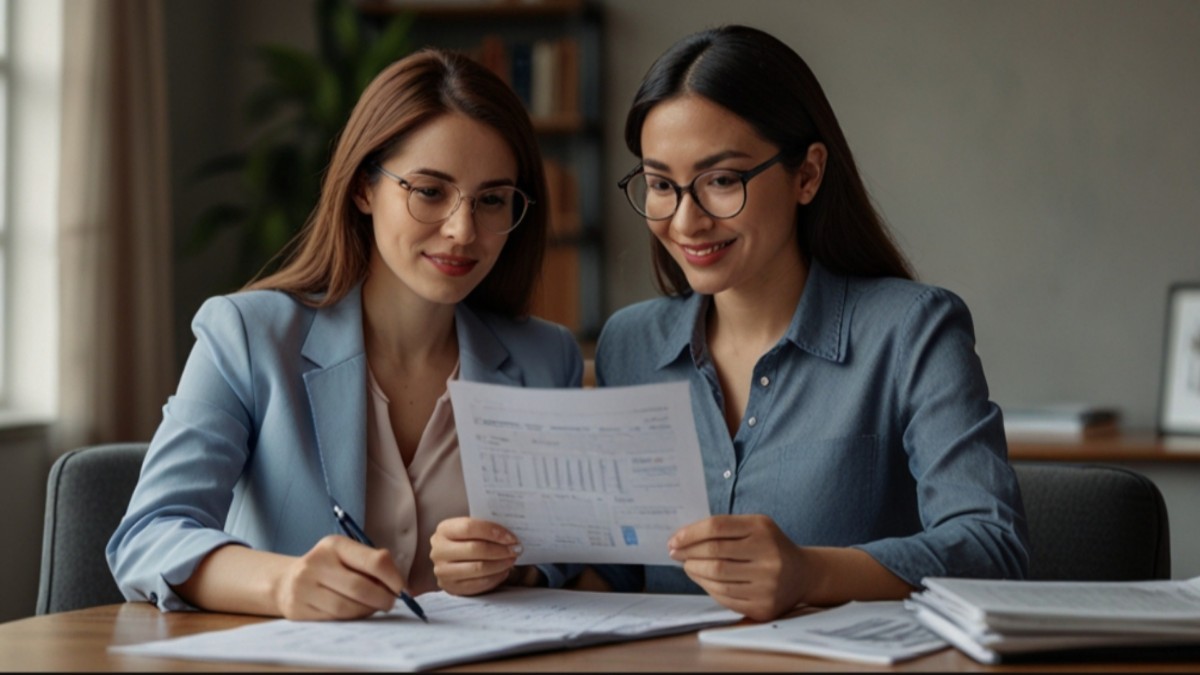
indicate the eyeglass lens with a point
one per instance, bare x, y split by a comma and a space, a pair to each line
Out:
432, 200
721, 193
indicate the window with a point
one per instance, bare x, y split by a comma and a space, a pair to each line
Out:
4, 253
31, 74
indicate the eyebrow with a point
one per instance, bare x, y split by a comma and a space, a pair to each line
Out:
706, 163
434, 173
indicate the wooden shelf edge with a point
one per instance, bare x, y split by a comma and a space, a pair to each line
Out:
476, 10
1135, 446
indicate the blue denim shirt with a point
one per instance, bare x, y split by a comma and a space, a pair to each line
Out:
868, 425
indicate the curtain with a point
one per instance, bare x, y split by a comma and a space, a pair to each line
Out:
116, 361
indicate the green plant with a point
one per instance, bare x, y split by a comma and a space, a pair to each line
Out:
298, 111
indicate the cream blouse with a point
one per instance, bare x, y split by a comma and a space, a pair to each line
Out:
405, 504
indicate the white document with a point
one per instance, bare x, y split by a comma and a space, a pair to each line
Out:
991, 620
866, 632
460, 630
582, 475
1084, 606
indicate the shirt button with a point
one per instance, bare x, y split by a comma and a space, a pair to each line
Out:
752, 421
764, 380
728, 473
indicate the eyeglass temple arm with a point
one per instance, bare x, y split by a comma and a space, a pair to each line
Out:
629, 176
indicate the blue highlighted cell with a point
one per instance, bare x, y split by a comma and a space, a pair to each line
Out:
630, 535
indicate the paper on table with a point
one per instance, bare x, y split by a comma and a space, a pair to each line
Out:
1130, 606
992, 647
459, 630
582, 475
991, 620
866, 632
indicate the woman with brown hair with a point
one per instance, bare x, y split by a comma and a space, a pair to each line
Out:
849, 445
325, 383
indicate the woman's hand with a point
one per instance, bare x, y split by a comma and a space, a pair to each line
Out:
338, 578
472, 556
745, 562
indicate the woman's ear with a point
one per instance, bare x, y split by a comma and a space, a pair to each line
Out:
362, 195
810, 174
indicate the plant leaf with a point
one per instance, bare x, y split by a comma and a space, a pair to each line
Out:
211, 222
344, 22
229, 162
391, 44
291, 70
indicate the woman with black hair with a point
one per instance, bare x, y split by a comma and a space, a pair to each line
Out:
849, 445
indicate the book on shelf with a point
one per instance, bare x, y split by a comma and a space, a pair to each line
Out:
556, 297
879, 633
544, 74
1060, 420
999, 620
562, 192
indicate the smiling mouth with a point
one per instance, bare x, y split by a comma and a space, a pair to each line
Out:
452, 265
455, 261
706, 250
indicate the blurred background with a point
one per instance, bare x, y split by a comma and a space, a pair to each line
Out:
1038, 158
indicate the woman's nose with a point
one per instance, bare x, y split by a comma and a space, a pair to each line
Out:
460, 226
689, 218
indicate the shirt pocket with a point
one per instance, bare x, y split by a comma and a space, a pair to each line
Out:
829, 489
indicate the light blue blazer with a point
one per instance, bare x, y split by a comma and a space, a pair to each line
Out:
269, 422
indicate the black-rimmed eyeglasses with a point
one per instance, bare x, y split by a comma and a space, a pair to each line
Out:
721, 193
431, 200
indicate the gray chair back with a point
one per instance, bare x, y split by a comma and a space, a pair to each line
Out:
1094, 523
86, 495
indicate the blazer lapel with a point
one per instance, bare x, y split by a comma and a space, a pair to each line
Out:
337, 388
482, 357
337, 395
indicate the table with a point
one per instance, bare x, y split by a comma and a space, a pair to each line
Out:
1134, 446
78, 640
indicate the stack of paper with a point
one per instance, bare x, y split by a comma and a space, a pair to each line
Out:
1060, 421
993, 620
879, 633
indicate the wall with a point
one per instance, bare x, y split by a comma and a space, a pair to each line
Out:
1038, 158
211, 69
24, 453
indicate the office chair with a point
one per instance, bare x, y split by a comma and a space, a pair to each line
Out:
1094, 523
86, 495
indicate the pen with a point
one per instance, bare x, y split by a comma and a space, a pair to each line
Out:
356, 533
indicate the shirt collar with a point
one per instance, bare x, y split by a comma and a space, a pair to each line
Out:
820, 324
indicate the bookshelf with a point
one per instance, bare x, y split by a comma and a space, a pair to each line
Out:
549, 51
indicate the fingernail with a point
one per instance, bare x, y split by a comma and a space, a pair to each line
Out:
504, 537
516, 550
673, 553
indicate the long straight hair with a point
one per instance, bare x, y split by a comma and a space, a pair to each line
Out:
766, 83
331, 254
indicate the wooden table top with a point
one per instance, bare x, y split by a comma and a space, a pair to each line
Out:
78, 641
1135, 446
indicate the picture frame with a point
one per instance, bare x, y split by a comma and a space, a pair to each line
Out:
1179, 399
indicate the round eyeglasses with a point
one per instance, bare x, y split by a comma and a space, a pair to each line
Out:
721, 193
431, 200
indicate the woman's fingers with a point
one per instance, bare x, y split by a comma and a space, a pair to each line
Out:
744, 562
719, 528
339, 579
465, 528
472, 556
